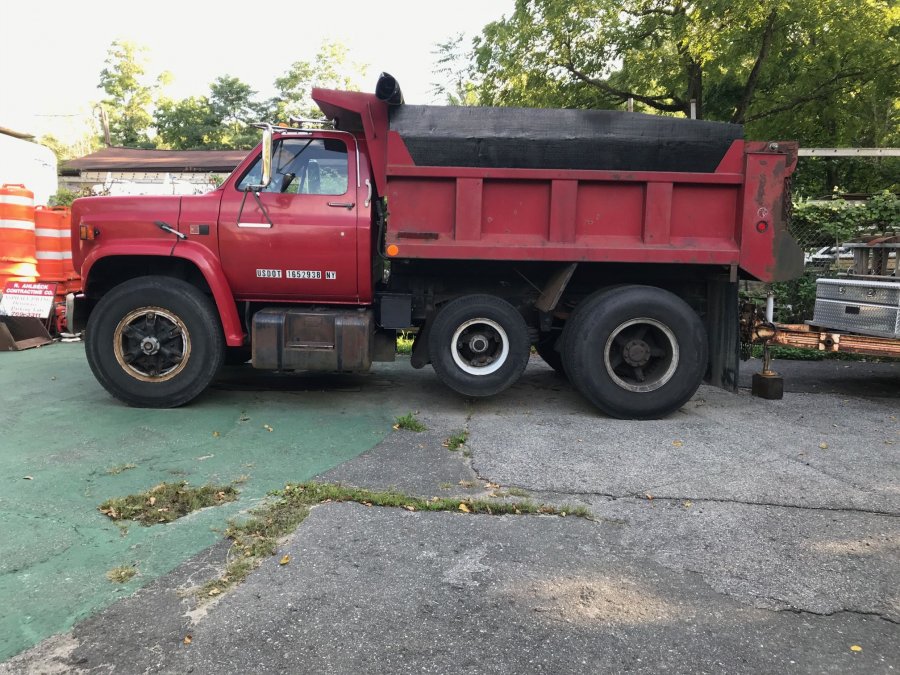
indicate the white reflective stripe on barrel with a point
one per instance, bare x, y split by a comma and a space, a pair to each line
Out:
44, 232
16, 200
52, 255
17, 224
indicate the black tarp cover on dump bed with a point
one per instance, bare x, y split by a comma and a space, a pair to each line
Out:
534, 138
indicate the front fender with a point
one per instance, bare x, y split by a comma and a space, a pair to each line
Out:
201, 257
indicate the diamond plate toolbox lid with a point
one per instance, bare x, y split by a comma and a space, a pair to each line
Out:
859, 290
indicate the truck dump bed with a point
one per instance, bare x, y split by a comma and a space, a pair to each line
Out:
517, 138
570, 186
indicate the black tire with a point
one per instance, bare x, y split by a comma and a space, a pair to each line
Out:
637, 353
154, 342
478, 345
546, 349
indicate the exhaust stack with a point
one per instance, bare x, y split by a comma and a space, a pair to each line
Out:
388, 90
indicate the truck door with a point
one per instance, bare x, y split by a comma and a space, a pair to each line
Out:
301, 244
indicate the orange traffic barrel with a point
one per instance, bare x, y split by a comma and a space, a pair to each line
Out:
17, 240
52, 243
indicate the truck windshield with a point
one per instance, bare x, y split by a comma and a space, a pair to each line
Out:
303, 166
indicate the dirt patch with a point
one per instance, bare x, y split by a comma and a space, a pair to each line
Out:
166, 502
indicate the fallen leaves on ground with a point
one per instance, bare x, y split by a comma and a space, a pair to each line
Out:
464, 508
285, 559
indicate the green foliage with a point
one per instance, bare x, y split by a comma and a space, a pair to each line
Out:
129, 97
453, 69
166, 502
796, 298
798, 354
819, 177
187, 124
89, 142
139, 116
405, 340
330, 69
64, 197
825, 73
220, 120
457, 440
817, 224
408, 422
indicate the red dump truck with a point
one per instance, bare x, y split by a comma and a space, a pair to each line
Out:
611, 242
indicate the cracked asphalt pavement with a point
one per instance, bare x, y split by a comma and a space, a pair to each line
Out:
738, 535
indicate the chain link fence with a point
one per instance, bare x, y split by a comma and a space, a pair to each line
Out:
850, 235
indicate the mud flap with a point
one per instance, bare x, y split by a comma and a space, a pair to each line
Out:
722, 327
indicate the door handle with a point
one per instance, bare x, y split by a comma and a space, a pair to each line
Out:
344, 205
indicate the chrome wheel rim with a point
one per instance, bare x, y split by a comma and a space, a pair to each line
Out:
151, 344
641, 355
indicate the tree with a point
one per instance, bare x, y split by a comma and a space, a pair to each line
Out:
824, 72
740, 60
220, 120
129, 98
453, 68
233, 105
330, 69
188, 124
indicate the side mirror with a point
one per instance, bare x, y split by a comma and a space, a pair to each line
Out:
266, 177
266, 156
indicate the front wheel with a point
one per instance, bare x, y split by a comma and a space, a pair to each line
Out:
637, 353
154, 342
478, 345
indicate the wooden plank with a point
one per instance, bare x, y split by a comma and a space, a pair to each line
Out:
806, 337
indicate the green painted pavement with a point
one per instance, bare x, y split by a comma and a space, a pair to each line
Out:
58, 426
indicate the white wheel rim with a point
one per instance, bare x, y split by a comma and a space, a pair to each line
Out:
622, 357
466, 346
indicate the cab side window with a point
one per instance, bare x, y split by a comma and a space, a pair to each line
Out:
304, 166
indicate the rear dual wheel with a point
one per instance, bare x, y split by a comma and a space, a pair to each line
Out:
639, 352
478, 345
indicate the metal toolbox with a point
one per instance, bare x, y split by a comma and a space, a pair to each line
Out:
859, 290
858, 306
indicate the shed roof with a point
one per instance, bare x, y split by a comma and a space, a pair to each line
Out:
131, 159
